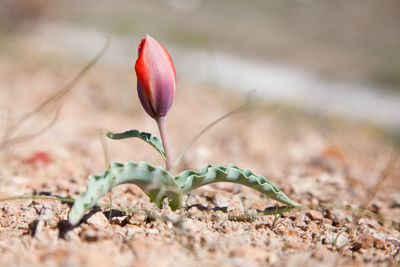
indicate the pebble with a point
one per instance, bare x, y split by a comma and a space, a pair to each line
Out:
341, 241
238, 262
314, 215
396, 201
323, 254
379, 244
98, 219
271, 258
327, 221
365, 240
294, 244
219, 216
153, 231
221, 201
89, 235
329, 239
132, 231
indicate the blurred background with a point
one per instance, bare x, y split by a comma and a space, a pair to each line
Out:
335, 58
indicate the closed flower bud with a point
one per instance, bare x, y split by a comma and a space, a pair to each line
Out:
156, 78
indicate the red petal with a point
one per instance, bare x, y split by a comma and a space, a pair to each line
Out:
142, 67
156, 77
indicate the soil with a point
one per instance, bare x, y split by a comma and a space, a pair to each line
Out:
314, 160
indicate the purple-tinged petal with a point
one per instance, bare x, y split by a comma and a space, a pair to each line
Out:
156, 77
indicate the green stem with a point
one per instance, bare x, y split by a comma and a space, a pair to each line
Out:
162, 127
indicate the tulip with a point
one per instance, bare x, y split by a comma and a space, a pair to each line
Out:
156, 84
156, 78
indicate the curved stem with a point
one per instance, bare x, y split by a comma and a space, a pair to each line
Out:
6, 139
382, 178
162, 127
190, 144
378, 184
246, 105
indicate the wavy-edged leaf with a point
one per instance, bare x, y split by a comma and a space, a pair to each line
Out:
147, 137
189, 180
156, 182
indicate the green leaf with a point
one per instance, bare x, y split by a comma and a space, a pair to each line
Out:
189, 180
156, 182
152, 140
159, 184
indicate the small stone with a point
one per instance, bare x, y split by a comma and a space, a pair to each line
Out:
339, 217
293, 232
314, 215
294, 244
395, 201
341, 241
261, 226
153, 231
323, 254
89, 235
329, 239
327, 221
379, 244
238, 262
132, 231
98, 219
356, 246
220, 201
365, 241
219, 216
271, 258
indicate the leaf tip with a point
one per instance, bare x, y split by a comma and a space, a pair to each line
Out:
110, 134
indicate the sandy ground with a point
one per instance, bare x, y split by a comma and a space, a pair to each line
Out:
314, 160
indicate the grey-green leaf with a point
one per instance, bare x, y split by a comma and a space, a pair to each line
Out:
152, 140
159, 184
156, 182
189, 180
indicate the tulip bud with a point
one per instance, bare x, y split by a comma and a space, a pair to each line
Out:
156, 78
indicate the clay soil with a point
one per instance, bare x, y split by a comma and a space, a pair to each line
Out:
314, 160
